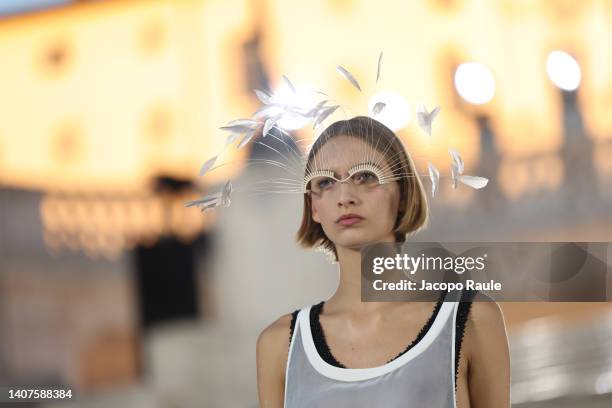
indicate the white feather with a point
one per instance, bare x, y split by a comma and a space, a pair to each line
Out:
207, 165
457, 160
289, 84
263, 96
225, 196
434, 175
378, 107
425, 118
378, 69
343, 71
474, 181
268, 126
317, 108
240, 125
247, 137
231, 138
325, 114
454, 175
206, 203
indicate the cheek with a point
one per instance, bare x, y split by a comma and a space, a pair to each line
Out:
387, 205
387, 199
320, 210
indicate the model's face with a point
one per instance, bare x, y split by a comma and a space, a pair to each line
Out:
361, 194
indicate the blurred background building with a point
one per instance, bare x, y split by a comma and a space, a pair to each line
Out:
108, 108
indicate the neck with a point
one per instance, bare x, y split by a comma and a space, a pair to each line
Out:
347, 297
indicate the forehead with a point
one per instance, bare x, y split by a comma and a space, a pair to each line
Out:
342, 152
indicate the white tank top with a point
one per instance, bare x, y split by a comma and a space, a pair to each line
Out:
424, 376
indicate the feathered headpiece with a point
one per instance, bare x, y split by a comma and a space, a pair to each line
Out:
286, 110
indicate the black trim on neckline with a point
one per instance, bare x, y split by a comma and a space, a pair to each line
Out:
318, 336
463, 311
294, 315
322, 347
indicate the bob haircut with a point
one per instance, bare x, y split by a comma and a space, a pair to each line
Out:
413, 213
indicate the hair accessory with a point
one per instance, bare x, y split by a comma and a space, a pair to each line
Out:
286, 110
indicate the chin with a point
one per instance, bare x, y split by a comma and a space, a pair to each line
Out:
355, 242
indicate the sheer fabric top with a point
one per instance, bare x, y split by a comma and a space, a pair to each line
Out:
423, 376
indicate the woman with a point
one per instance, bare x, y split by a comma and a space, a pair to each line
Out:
361, 187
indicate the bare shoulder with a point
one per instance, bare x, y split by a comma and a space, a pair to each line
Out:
273, 345
276, 335
485, 328
271, 353
485, 331
489, 356
486, 314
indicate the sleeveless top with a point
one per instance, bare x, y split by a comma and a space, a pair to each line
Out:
423, 375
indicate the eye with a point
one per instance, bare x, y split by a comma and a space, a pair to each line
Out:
363, 177
367, 173
319, 180
323, 182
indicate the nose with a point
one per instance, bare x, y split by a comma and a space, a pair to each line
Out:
346, 194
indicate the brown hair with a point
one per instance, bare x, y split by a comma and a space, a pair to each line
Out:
412, 211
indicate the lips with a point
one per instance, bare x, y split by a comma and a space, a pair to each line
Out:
349, 219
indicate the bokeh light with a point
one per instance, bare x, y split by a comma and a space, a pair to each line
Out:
563, 70
475, 83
